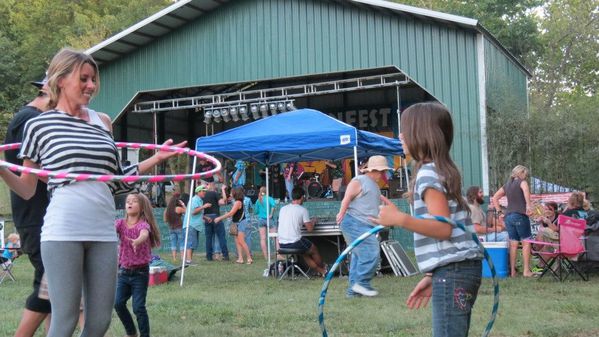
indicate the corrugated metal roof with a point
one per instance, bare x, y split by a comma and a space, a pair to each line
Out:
151, 28
184, 11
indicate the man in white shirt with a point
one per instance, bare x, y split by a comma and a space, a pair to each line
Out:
291, 219
490, 232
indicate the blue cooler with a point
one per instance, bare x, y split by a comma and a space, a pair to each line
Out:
498, 251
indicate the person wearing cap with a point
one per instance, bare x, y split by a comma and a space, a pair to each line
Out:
196, 221
361, 202
28, 215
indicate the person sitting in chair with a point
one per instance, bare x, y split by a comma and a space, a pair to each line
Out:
291, 219
491, 230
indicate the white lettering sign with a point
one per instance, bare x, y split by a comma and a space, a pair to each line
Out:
365, 118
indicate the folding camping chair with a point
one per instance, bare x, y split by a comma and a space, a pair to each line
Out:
6, 265
558, 258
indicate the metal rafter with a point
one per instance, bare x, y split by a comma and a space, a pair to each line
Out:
277, 93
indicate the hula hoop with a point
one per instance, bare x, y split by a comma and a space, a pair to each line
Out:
122, 178
377, 229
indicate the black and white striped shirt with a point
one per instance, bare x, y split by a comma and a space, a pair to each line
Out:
59, 142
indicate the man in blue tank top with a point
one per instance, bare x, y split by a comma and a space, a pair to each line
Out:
360, 203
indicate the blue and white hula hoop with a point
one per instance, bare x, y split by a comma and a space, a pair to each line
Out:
377, 229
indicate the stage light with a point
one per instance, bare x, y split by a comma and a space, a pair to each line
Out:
207, 116
233, 113
224, 113
254, 111
216, 116
273, 108
243, 112
290, 106
264, 110
281, 106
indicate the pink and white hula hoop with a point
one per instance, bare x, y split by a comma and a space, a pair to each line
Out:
127, 179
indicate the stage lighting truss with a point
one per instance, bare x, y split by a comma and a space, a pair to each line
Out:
257, 110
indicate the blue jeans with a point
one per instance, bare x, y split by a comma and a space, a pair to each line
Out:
289, 187
176, 238
455, 287
518, 226
218, 230
193, 238
365, 257
244, 226
133, 283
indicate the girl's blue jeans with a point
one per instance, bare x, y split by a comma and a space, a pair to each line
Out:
455, 287
133, 283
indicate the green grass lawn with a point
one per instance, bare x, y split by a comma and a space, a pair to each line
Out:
226, 299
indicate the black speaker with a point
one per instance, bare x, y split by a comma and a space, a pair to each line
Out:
395, 189
119, 201
341, 192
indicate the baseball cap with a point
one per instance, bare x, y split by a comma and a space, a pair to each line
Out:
40, 84
201, 188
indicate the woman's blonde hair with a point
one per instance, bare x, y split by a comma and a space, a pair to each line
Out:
518, 171
146, 214
64, 63
576, 200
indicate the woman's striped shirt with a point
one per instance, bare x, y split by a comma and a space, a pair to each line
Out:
59, 142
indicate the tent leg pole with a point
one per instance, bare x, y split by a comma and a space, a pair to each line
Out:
187, 220
267, 217
398, 96
355, 161
408, 183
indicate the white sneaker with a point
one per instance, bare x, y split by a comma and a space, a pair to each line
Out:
364, 291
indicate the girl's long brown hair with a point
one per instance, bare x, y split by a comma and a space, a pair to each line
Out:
428, 131
172, 218
146, 214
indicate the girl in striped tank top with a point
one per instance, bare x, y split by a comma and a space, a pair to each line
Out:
78, 240
447, 255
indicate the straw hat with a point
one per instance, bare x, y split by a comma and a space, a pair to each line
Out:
376, 163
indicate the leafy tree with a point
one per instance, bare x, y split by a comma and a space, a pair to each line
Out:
569, 65
512, 22
32, 31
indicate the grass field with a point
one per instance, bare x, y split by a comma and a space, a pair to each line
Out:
226, 299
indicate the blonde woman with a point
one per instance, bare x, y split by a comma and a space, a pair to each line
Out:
516, 220
79, 221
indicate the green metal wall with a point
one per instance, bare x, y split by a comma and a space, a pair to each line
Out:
263, 39
506, 83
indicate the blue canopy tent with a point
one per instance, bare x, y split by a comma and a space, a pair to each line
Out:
300, 135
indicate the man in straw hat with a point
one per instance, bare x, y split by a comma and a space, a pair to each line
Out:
361, 202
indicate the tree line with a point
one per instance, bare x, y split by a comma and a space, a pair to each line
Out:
555, 39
